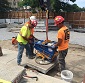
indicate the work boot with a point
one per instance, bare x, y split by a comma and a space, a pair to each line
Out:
19, 64
26, 66
34, 54
31, 57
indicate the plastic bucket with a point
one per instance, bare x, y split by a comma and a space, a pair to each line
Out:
67, 75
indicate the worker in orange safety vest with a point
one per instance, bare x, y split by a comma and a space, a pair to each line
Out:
63, 37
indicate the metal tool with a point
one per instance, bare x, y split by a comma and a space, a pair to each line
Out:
31, 77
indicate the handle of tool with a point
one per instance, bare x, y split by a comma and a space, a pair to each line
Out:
31, 77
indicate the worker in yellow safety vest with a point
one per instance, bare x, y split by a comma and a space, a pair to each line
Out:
23, 38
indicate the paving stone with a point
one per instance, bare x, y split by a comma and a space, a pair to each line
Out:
9, 70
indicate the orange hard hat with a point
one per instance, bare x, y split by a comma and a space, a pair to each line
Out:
58, 19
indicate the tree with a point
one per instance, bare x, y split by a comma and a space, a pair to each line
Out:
56, 5
4, 5
32, 3
83, 9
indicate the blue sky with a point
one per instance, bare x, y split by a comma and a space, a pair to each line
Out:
80, 3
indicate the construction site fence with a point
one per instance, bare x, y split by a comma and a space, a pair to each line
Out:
75, 19
25, 14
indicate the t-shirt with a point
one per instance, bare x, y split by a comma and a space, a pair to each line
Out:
63, 34
24, 32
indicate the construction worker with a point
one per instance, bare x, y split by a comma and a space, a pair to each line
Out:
24, 41
63, 41
32, 18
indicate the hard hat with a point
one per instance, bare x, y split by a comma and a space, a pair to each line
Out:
33, 18
58, 19
33, 21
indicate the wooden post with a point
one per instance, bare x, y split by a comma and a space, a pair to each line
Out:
80, 19
24, 16
1, 52
47, 25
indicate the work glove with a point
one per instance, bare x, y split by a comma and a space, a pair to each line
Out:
53, 46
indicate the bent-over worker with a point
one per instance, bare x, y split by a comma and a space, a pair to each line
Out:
23, 39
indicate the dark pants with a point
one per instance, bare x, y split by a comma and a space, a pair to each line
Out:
61, 59
31, 45
20, 51
32, 48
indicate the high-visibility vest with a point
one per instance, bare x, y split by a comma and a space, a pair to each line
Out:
32, 30
26, 34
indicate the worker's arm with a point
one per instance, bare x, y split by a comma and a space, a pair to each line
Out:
32, 37
27, 39
59, 42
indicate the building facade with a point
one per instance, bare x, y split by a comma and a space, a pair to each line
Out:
13, 3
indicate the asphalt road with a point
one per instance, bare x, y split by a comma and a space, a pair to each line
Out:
75, 37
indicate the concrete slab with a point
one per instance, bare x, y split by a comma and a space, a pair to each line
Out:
31, 63
9, 70
42, 68
3, 25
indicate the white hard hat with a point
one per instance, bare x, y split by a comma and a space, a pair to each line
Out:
33, 18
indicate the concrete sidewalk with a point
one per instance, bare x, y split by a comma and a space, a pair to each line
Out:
10, 71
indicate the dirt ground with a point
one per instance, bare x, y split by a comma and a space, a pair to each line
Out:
75, 60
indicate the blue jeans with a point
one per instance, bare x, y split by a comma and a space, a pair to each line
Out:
20, 51
61, 59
